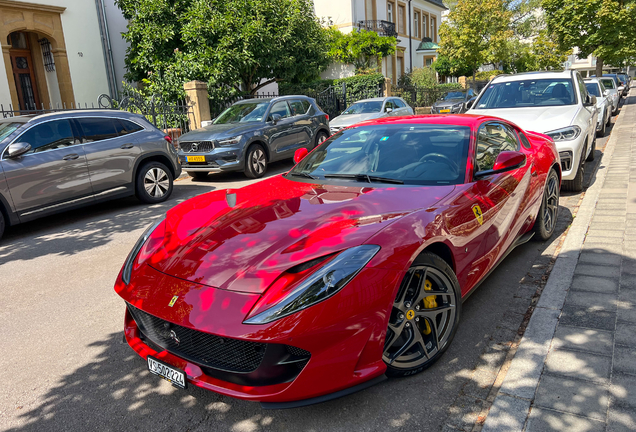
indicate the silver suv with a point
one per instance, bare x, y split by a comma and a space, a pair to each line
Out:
55, 162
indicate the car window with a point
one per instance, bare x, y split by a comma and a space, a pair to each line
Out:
418, 154
7, 129
297, 107
280, 108
608, 83
470, 93
399, 103
492, 139
128, 127
98, 129
306, 105
593, 89
49, 136
528, 93
364, 108
524, 140
389, 104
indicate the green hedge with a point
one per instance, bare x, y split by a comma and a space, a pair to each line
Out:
423, 96
357, 84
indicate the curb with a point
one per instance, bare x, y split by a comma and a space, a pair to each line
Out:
512, 404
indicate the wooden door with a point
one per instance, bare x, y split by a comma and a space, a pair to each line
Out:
24, 76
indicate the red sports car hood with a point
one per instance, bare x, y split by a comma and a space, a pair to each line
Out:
242, 239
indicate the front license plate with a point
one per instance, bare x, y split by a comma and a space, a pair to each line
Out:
195, 158
174, 376
444, 111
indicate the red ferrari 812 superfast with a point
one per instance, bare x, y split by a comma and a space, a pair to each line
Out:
348, 268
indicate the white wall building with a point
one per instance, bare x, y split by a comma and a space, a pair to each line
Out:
59, 52
412, 20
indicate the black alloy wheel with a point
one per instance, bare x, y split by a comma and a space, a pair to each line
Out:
320, 138
545, 222
255, 161
424, 317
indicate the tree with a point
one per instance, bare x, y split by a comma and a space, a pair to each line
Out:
604, 28
361, 48
447, 67
540, 54
237, 46
476, 32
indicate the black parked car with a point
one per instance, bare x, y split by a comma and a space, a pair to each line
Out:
453, 102
251, 133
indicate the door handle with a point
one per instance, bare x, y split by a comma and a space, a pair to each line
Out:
127, 146
71, 156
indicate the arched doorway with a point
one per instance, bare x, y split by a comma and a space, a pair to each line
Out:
23, 70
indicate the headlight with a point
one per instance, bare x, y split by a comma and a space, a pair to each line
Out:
565, 134
322, 284
230, 141
457, 105
128, 265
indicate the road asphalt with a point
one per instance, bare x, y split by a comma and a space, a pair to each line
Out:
65, 367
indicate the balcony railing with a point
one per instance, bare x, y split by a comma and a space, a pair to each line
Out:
381, 27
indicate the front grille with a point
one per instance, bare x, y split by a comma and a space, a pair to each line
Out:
205, 349
197, 146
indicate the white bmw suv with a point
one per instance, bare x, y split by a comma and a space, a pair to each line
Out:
554, 103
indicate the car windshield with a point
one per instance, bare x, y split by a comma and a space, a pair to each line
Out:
528, 93
417, 154
454, 95
243, 113
592, 88
608, 83
623, 78
364, 108
7, 129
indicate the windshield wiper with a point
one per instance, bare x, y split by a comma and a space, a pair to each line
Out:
365, 177
302, 174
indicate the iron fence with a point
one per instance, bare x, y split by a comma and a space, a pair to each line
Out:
336, 99
172, 118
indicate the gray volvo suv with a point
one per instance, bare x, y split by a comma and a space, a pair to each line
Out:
55, 162
251, 133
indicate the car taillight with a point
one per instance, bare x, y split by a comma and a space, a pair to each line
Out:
327, 116
168, 138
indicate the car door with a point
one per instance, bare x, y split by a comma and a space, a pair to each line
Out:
388, 105
282, 135
111, 150
497, 199
53, 172
589, 112
401, 107
302, 123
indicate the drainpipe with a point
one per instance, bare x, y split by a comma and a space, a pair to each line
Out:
410, 41
106, 48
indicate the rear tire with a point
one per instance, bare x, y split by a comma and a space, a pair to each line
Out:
255, 161
422, 325
154, 183
576, 185
2, 224
590, 157
601, 134
545, 222
320, 138
198, 175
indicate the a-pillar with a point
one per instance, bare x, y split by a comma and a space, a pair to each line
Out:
197, 96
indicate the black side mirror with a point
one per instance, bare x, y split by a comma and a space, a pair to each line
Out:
275, 118
471, 102
18, 149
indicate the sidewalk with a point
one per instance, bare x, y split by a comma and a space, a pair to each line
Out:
575, 368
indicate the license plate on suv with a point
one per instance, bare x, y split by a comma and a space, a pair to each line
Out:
444, 111
195, 158
173, 375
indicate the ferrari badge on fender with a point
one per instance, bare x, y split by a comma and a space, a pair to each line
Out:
478, 214
173, 301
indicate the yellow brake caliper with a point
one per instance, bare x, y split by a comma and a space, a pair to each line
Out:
430, 302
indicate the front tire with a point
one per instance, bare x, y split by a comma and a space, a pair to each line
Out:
424, 317
601, 134
320, 138
154, 183
255, 162
545, 221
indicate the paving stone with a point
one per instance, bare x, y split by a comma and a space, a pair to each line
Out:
595, 284
604, 234
583, 339
626, 311
572, 396
582, 316
574, 364
621, 420
593, 300
625, 359
600, 257
623, 390
626, 334
506, 414
598, 270
628, 281
546, 420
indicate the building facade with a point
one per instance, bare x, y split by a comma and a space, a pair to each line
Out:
410, 21
59, 52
